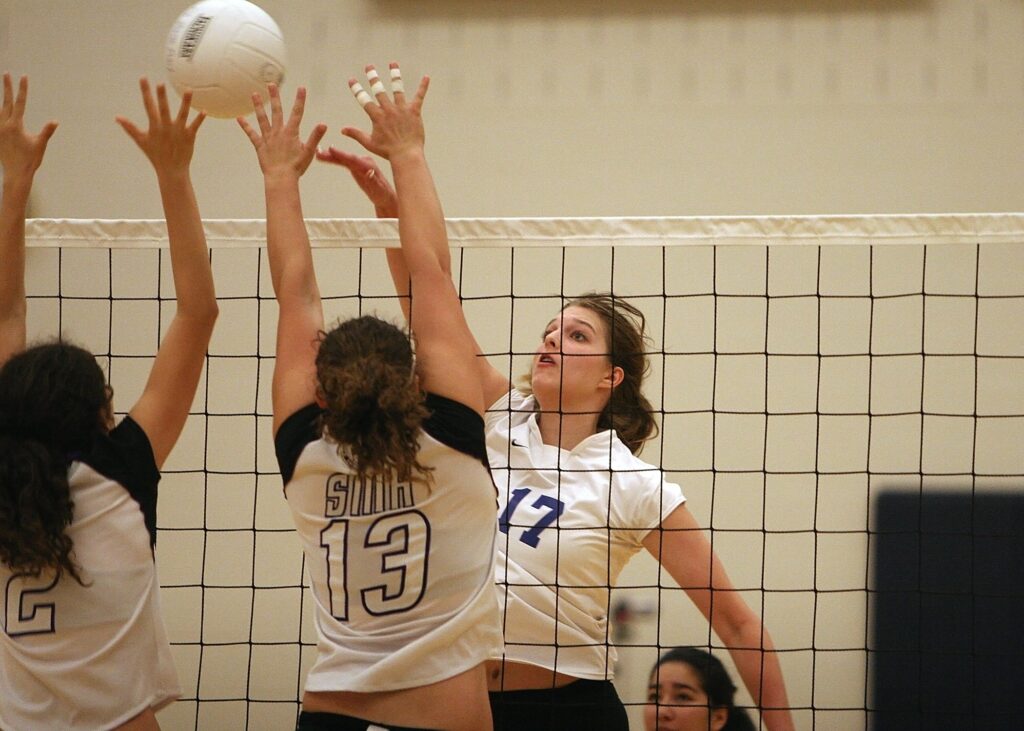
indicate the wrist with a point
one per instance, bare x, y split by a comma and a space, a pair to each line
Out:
173, 178
276, 179
18, 181
406, 156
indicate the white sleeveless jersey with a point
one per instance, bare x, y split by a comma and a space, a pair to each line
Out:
401, 572
568, 523
94, 656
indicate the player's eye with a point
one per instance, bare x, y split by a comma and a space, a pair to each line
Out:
684, 699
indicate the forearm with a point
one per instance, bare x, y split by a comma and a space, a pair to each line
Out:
193, 279
762, 675
288, 249
13, 309
421, 224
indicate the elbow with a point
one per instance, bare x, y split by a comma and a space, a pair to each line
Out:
13, 309
203, 316
210, 313
744, 631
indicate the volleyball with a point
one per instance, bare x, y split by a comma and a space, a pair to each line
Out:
224, 50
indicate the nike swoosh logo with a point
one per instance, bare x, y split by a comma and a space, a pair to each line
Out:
517, 444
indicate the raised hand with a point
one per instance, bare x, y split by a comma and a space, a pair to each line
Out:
21, 153
397, 122
368, 177
169, 142
280, 151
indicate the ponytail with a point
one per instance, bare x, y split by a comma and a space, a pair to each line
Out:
374, 406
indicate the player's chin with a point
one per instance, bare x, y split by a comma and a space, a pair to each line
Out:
545, 372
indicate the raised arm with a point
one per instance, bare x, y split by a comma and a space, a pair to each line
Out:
21, 154
168, 143
283, 158
681, 547
445, 351
385, 202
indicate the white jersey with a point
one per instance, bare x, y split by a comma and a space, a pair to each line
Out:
93, 656
401, 572
569, 520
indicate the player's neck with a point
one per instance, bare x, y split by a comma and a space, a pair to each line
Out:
566, 430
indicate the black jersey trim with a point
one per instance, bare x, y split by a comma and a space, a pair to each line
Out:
457, 426
295, 433
125, 456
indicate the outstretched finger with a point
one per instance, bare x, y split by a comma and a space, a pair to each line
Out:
397, 87
298, 108
345, 159
128, 126
8, 95
421, 92
47, 132
19, 102
364, 99
253, 136
376, 85
315, 136
184, 107
276, 114
147, 101
261, 114
197, 123
358, 135
163, 104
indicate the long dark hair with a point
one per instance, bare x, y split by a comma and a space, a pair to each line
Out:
715, 682
374, 407
54, 402
628, 411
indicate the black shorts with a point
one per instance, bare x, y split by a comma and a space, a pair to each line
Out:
319, 721
586, 705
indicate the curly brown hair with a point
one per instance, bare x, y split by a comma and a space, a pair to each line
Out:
374, 407
54, 402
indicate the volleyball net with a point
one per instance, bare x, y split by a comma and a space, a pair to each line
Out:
841, 399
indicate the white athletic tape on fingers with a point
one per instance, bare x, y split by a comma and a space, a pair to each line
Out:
360, 94
377, 87
396, 81
372, 75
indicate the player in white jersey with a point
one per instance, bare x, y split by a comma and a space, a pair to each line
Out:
383, 457
83, 644
575, 504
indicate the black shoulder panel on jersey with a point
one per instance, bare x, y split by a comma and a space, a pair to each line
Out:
126, 457
295, 433
457, 426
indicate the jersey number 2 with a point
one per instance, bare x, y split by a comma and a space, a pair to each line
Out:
27, 611
402, 541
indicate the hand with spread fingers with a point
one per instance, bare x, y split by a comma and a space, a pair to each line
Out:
397, 122
21, 153
169, 141
280, 151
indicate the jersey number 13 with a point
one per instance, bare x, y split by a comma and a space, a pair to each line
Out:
392, 563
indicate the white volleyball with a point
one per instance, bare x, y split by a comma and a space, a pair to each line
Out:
224, 50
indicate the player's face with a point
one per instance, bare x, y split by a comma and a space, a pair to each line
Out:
572, 359
676, 701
